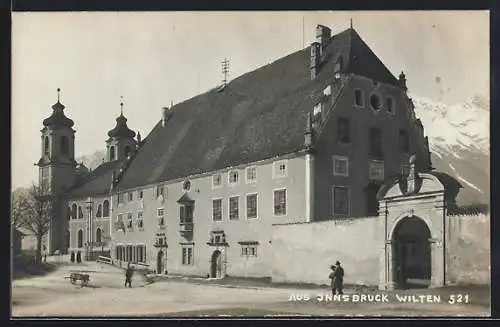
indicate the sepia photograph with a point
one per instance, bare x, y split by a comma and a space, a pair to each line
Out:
250, 164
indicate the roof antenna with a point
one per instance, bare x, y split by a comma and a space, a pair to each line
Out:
225, 71
121, 105
58, 93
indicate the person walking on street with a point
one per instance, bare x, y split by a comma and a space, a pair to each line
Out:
338, 278
128, 276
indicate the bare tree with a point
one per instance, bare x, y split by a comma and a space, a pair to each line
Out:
32, 212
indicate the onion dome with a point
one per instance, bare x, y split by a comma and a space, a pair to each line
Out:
121, 129
58, 119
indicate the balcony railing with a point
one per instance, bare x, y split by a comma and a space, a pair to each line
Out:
186, 227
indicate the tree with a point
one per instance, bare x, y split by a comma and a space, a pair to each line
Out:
32, 211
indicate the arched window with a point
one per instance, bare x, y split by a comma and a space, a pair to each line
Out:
46, 145
64, 145
99, 211
127, 151
98, 235
80, 238
73, 211
112, 153
105, 208
80, 212
69, 213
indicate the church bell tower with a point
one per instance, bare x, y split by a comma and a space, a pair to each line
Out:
57, 170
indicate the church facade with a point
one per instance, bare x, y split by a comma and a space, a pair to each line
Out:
310, 137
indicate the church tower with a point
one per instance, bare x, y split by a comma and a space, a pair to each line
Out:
57, 171
121, 139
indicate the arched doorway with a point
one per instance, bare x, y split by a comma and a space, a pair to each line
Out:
159, 263
216, 265
411, 254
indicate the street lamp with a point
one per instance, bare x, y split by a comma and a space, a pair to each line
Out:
89, 226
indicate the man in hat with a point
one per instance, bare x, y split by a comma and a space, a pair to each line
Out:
338, 279
128, 275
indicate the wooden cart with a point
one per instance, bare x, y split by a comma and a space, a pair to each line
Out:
74, 277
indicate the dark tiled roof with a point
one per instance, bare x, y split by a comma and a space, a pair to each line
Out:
259, 115
58, 118
97, 182
121, 128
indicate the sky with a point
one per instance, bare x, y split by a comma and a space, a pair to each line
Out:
153, 59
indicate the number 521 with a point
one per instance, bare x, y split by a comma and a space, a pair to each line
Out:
458, 298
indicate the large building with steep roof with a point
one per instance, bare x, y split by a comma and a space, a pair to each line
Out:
310, 137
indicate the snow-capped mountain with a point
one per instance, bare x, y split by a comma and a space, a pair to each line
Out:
459, 139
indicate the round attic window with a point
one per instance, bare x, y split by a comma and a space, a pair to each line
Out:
375, 102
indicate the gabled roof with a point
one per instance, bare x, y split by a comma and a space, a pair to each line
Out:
257, 116
97, 182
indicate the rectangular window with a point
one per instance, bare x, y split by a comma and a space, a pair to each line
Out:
140, 195
340, 200
375, 142
249, 250
187, 255
390, 105
234, 204
404, 142
340, 166
252, 206
159, 191
233, 177
343, 130
130, 196
251, 173
140, 223
280, 169
280, 202
217, 210
216, 181
120, 198
376, 170
358, 98
160, 212
186, 213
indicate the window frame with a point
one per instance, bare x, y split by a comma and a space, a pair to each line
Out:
340, 158
372, 163
229, 182
380, 104
256, 205
393, 100
334, 214
214, 186
286, 202
277, 164
250, 181
229, 207
362, 93
221, 200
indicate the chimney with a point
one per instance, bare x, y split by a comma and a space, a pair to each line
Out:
138, 137
164, 111
315, 57
323, 35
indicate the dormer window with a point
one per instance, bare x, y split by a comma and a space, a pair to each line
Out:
318, 113
233, 177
